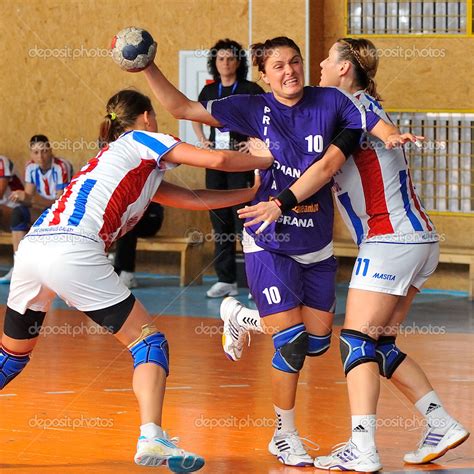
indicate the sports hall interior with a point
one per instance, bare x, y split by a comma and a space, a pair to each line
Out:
219, 408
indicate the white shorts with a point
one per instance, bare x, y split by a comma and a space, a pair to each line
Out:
393, 268
78, 271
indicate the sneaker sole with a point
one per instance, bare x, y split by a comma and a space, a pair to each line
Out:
433, 456
185, 463
348, 469
227, 354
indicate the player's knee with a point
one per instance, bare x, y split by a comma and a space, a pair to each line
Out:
356, 348
291, 347
11, 364
318, 345
20, 219
113, 317
389, 356
23, 326
150, 347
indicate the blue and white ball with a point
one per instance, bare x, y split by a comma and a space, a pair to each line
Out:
133, 49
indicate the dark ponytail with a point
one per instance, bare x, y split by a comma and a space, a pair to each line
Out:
123, 108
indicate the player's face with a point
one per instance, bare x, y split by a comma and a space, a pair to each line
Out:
284, 73
330, 69
42, 155
226, 63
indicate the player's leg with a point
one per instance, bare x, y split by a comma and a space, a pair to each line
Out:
20, 335
442, 431
276, 282
319, 286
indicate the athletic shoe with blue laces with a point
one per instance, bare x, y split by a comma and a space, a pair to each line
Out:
164, 452
435, 444
347, 457
289, 449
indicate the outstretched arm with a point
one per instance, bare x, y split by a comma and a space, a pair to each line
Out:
392, 137
174, 101
225, 160
203, 199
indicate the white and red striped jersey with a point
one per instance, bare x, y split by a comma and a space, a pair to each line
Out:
7, 171
49, 182
109, 195
375, 193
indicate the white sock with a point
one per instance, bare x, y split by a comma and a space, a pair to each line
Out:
363, 431
432, 409
249, 319
151, 430
285, 420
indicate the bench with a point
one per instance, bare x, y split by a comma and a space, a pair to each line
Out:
457, 255
188, 248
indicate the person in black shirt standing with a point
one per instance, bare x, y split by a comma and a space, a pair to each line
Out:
227, 63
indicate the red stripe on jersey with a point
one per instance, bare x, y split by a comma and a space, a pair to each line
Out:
63, 167
2, 168
126, 193
374, 192
46, 186
61, 204
417, 203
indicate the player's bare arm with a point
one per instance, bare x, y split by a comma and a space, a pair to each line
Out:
225, 160
174, 101
172, 195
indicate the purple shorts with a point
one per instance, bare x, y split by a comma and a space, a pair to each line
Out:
279, 283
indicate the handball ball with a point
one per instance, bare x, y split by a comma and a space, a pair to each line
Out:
133, 49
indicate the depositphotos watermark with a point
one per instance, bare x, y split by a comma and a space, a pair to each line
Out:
408, 424
234, 422
67, 422
83, 329
411, 53
68, 52
412, 329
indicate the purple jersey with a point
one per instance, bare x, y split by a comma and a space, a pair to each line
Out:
297, 136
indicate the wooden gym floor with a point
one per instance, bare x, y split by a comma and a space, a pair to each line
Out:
72, 410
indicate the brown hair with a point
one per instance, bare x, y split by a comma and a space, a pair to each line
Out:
362, 54
123, 108
260, 52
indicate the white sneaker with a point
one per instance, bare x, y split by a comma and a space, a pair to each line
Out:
221, 289
434, 444
347, 457
128, 279
6, 279
234, 335
289, 449
164, 452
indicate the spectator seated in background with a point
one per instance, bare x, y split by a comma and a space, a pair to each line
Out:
46, 176
126, 246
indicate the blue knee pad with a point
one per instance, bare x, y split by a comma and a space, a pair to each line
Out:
356, 348
318, 345
153, 349
291, 346
10, 366
389, 356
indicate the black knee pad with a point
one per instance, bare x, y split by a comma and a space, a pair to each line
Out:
23, 326
389, 356
291, 346
113, 317
20, 218
356, 348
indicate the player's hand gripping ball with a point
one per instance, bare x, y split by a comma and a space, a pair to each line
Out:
133, 49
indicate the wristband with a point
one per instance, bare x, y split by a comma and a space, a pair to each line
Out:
286, 200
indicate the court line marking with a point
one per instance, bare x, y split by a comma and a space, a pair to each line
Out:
60, 392
234, 386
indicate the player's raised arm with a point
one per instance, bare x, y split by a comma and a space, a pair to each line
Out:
224, 160
203, 199
174, 101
